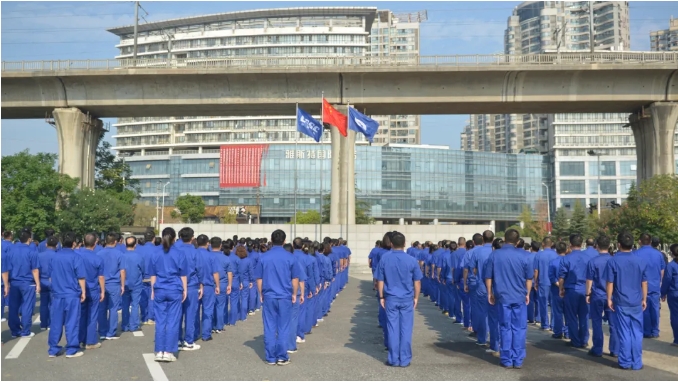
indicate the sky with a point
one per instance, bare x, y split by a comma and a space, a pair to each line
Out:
77, 30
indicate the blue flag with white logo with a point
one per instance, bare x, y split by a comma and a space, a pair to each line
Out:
361, 123
308, 125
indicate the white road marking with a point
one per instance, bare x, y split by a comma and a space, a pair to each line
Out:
154, 368
138, 333
18, 348
37, 320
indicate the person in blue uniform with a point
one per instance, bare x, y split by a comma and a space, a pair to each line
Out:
234, 297
572, 281
493, 310
596, 297
120, 243
189, 309
371, 258
95, 284
115, 276
311, 290
533, 307
558, 325
6, 245
510, 274
398, 284
169, 283
134, 265
457, 274
446, 280
471, 283
225, 279
68, 292
669, 291
298, 256
327, 272
209, 276
626, 276
24, 282
253, 302
277, 276
542, 284
655, 273
147, 250
476, 266
45, 262
49, 232
246, 272
385, 251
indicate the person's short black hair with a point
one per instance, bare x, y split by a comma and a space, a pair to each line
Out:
7, 234
488, 236
130, 242
590, 242
576, 240
453, 246
202, 240
655, 242
52, 241
497, 243
157, 241
645, 238
603, 242
398, 240
511, 236
186, 234
25, 236
416, 243
111, 238
547, 242
478, 239
469, 244
278, 237
625, 240
674, 250
69, 239
288, 247
520, 243
535, 246
297, 243
90, 240
561, 247
215, 242
378, 243
49, 232
149, 236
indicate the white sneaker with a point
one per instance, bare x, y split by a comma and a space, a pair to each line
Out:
113, 338
321, 320
76, 355
250, 314
102, 337
159, 357
489, 351
256, 310
169, 357
292, 351
190, 347
3, 320
300, 340
31, 334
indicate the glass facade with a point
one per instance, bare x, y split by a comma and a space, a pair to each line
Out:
417, 184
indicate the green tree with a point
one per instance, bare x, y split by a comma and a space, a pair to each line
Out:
561, 224
578, 219
362, 209
229, 218
531, 228
31, 189
307, 217
90, 210
191, 208
144, 215
113, 175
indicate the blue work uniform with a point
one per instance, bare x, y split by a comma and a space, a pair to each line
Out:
493, 310
478, 292
6, 267
533, 306
399, 272
209, 265
135, 268
221, 301
254, 302
189, 308
373, 258
326, 297
557, 302
573, 271
23, 261
147, 251
461, 299
311, 270
627, 272
89, 309
236, 288
121, 247
168, 268
45, 263
471, 282
669, 290
67, 270
277, 269
246, 271
509, 270
655, 267
447, 295
598, 304
108, 309
542, 259
42, 247
299, 255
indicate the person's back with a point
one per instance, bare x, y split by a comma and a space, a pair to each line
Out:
168, 268
627, 272
135, 268
573, 271
398, 271
113, 263
509, 269
189, 252
542, 260
24, 260
275, 268
655, 266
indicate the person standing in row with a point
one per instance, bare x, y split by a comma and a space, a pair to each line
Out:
277, 276
95, 284
298, 256
461, 300
560, 329
234, 298
669, 291
68, 292
134, 285
246, 270
49, 232
189, 309
596, 297
209, 277
147, 250
476, 266
45, 263
542, 283
115, 276
655, 273
6, 246
24, 283
225, 281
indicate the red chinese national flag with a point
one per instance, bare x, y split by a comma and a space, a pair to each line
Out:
334, 117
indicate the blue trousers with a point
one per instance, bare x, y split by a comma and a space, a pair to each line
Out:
473, 302
108, 311
252, 303
294, 323
189, 312
257, 299
543, 296
21, 303
466, 306
557, 311
45, 300
651, 315
146, 304
532, 311
672, 301
513, 332
4, 299
482, 308
277, 319
451, 298
433, 295
131, 302
628, 322
220, 308
89, 314
310, 314
425, 286
65, 313
234, 300
577, 317
399, 323
457, 304
207, 303
244, 300
439, 294
318, 307
597, 307
301, 324
493, 325
167, 308
382, 322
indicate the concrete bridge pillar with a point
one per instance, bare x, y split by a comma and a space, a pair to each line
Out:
342, 208
654, 129
78, 135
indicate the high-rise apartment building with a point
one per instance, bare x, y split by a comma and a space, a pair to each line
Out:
666, 39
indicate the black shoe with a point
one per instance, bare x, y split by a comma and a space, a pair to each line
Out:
530, 321
473, 335
283, 363
518, 367
592, 354
207, 339
624, 368
557, 336
507, 367
583, 347
612, 355
388, 364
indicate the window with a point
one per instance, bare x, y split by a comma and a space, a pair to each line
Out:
608, 168
571, 168
568, 203
627, 168
572, 187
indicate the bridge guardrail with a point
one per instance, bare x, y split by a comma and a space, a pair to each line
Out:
477, 60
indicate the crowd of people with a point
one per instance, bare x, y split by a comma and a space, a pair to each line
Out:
495, 287
188, 287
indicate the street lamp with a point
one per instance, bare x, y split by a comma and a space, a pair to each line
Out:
548, 207
597, 155
162, 218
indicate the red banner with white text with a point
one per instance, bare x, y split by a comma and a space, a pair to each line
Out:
240, 165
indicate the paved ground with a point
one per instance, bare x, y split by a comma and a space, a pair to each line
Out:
347, 346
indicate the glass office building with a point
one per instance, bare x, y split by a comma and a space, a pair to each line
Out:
416, 183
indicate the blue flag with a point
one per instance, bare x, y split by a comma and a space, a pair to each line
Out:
308, 125
361, 123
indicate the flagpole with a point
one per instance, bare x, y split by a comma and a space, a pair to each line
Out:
348, 114
322, 135
296, 139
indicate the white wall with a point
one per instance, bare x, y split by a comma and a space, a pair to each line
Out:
361, 238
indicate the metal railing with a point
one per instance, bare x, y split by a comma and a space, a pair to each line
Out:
473, 60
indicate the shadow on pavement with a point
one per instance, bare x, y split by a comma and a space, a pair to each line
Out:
366, 337
257, 344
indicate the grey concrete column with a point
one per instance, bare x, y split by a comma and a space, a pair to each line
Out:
349, 159
335, 186
653, 130
78, 135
